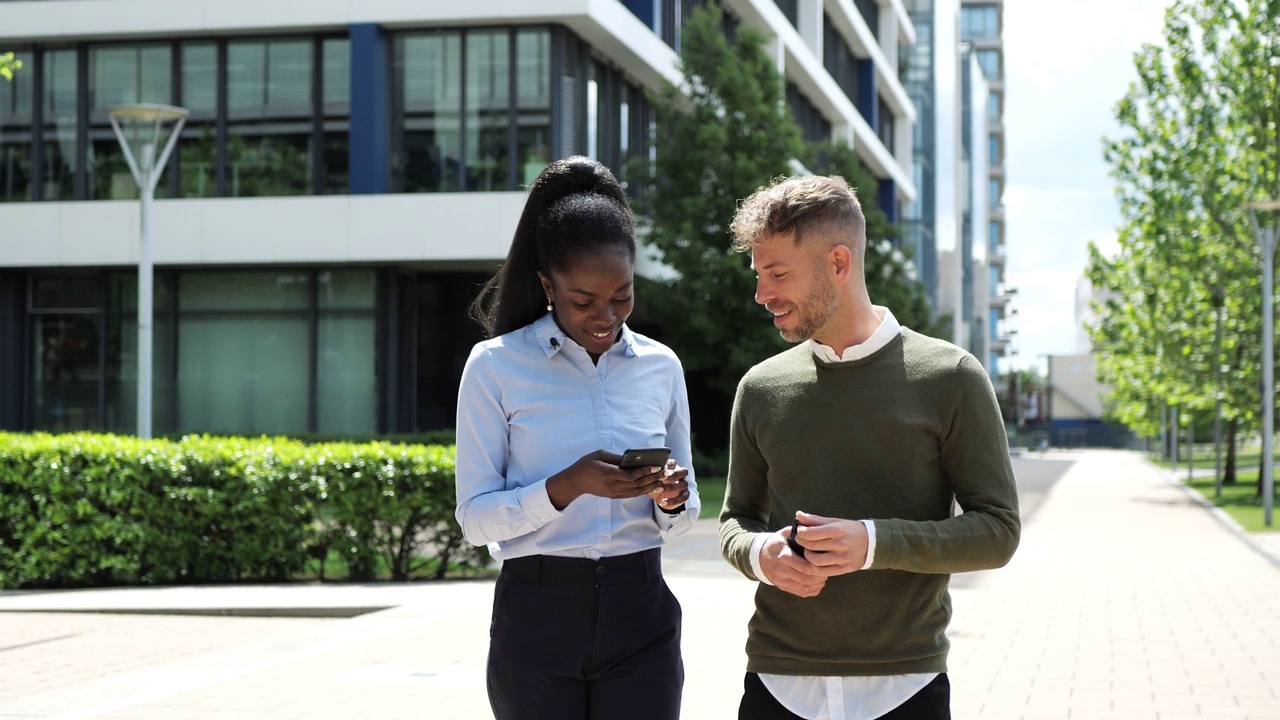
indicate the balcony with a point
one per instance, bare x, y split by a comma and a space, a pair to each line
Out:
997, 255
1002, 297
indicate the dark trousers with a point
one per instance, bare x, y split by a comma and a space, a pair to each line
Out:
933, 702
574, 638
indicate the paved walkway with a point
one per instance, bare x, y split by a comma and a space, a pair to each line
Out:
1126, 600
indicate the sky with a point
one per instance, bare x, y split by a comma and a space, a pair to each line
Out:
1067, 63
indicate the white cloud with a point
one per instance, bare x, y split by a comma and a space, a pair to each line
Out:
1049, 42
1067, 62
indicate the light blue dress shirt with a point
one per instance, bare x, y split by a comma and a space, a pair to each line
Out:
532, 403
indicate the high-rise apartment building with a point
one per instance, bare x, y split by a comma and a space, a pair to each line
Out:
982, 28
955, 226
349, 174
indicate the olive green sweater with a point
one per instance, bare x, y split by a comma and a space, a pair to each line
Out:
893, 438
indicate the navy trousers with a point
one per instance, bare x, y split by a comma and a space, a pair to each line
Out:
933, 702
574, 638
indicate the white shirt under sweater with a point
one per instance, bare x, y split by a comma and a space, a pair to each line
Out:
854, 697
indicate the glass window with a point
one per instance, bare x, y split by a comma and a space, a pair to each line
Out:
428, 74
990, 62
573, 87
346, 290
269, 112
243, 356
839, 60
65, 342
870, 12
533, 101
16, 116
337, 114
993, 150
244, 374
488, 103
65, 393
993, 109
197, 152
980, 22
65, 293
58, 161
993, 236
243, 291
813, 126
993, 193
122, 75
790, 9
346, 390
593, 111
346, 379
885, 125
437, 148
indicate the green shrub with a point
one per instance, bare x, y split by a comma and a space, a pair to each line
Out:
78, 510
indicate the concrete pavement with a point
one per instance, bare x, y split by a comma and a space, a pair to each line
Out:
1127, 599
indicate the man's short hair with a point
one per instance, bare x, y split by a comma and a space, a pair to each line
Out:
811, 205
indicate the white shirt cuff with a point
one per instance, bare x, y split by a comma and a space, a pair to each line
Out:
536, 504
757, 544
871, 544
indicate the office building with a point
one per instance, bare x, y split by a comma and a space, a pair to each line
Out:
955, 226
982, 30
348, 175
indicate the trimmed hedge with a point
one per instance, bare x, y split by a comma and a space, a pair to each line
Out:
93, 510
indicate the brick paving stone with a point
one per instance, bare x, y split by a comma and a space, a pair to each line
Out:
1125, 600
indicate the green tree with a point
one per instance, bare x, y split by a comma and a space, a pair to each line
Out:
721, 136
1199, 140
8, 63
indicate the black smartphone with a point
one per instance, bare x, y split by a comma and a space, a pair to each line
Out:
644, 457
795, 546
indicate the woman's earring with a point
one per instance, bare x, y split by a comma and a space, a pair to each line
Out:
550, 305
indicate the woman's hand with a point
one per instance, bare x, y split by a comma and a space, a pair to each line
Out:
673, 493
598, 474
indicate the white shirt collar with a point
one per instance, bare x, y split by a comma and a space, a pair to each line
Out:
884, 334
551, 338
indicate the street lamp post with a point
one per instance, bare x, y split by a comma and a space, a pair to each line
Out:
147, 123
1267, 239
1219, 297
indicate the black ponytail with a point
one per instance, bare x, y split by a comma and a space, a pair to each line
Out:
575, 207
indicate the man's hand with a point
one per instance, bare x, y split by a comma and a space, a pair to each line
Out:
833, 546
786, 570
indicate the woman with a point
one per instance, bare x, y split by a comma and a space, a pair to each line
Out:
583, 623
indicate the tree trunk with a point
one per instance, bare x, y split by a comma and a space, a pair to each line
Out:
1229, 470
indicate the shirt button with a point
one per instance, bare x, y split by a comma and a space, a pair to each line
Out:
600, 570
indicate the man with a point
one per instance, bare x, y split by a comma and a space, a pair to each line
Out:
864, 437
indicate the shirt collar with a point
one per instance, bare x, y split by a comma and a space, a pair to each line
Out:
552, 339
884, 334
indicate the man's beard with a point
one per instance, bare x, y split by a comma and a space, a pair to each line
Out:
812, 313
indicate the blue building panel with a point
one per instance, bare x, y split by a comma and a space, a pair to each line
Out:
646, 10
370, 111
887, 198
868, 95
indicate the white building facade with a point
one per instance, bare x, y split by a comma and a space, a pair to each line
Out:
349, 175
